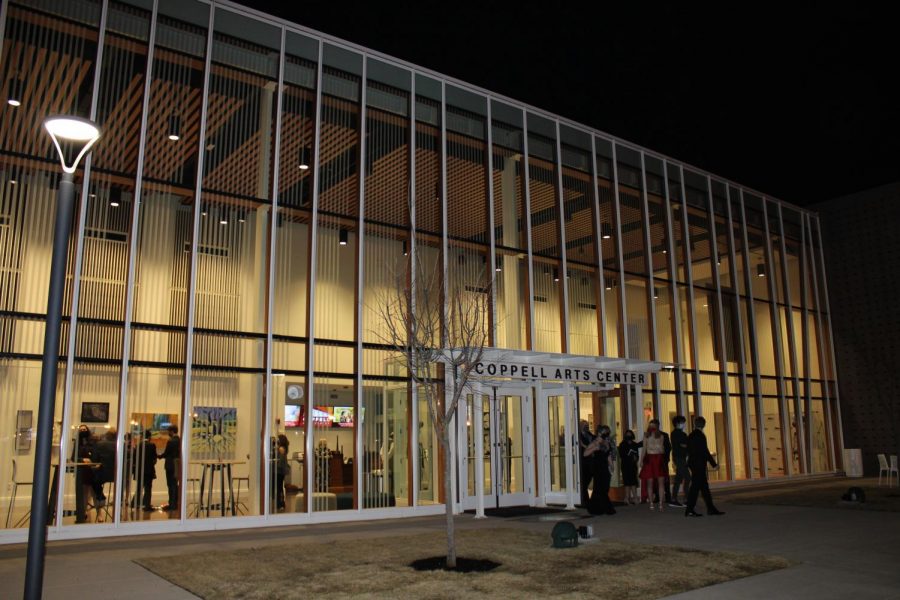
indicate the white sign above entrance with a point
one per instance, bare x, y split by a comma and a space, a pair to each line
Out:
586, 375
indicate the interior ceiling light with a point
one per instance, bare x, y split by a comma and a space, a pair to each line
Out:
174, 128
343, 236
760, 270
14, 98
606, 230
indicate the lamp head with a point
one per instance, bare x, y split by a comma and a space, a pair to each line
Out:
76, 133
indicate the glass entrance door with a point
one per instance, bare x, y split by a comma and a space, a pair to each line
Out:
498, 451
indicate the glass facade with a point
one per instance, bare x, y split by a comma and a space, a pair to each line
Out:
257, 192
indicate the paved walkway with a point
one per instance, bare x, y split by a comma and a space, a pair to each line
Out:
841, 553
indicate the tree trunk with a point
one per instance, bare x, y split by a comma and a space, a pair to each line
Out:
448, 502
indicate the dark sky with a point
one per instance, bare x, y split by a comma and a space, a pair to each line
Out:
799, 102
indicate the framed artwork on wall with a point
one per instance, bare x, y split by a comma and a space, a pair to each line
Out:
23, 430
95, 412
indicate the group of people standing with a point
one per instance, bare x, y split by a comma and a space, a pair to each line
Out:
98, 457
647, 461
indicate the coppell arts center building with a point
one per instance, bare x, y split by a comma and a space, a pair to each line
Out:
254, 190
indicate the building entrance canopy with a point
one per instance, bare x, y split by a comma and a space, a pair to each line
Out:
594, 370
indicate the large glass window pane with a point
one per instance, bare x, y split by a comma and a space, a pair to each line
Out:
511, 269
385, 431
334, 420
716, 435
287, 446
430, 457
546, 263
609, 231
581, 244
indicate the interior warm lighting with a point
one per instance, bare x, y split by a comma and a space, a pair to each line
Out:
760, 270
555, 275
174, 128
13, 182
499, 266
343, 236
304, 167
665, 251
405, 251
223, 222
606, 231
73, 130
203, 213
114, 204
656, 293
15, 92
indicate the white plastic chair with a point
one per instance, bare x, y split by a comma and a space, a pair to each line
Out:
893, 471
12, 501
883, 469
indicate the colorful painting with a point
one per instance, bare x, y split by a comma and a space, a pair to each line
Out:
213, 432
157, 423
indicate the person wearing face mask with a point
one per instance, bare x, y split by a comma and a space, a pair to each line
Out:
680, 458
654, 462
698, 457
629, 452
585, 437
599, 452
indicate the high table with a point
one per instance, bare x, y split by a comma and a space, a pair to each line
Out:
80, 512
213, 466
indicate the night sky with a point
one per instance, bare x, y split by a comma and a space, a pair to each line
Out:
800, 103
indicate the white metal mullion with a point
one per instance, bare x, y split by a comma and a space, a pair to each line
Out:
569, 429
776, 342
598, 244
688, 265
360, 281
132, 259
189, 349
311, 322
76, 277
623, 309
270, 310
444, 242
651, 284
561, 225
804, 328
4, 4
491, 273
676, 299
742, 371
528, 235
413, 427
819, 341
757, 379
804, 455
723, 352
837, 406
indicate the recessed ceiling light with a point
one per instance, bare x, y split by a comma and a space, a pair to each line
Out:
13, 182
223, 222
304, 167
113, 203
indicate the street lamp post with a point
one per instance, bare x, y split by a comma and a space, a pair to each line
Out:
77, 135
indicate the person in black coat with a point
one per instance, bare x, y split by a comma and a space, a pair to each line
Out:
104, 452
585, 437
680, 458
172, 457
698, 457
629, 452
600, 454
144, 470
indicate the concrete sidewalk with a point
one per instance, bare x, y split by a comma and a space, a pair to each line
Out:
840, 553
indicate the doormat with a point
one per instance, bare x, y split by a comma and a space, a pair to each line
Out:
507, 512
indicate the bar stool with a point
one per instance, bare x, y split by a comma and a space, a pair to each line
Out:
238, 503
109, 490
12, 501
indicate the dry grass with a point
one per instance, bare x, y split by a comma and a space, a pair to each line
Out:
823, 494
378, 568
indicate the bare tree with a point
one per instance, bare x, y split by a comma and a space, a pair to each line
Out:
439, 329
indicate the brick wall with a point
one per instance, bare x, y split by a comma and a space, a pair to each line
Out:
861, 238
